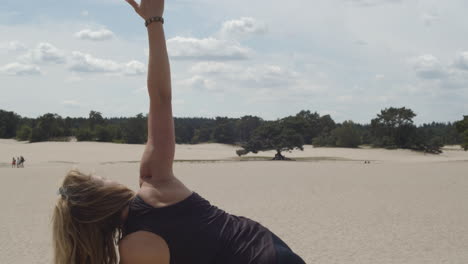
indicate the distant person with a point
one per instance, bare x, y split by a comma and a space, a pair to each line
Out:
164, 221
22, 160
13, 163
17, 162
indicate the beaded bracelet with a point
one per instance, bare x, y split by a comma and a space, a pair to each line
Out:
154, 19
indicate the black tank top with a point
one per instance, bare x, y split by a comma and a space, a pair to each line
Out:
199, 233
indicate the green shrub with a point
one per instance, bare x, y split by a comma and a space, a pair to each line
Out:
347, 135
104, 133
84, 134
324, 141
38, 135
435, 145
465, 140
24, 133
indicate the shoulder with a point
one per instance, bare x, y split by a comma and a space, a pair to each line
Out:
143, 247
163, 193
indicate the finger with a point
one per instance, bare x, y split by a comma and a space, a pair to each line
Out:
133, 3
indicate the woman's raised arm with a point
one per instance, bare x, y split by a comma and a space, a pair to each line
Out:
157, 159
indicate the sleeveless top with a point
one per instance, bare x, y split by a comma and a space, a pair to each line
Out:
198, 232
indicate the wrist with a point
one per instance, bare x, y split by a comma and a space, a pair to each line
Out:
154, 27
154, 20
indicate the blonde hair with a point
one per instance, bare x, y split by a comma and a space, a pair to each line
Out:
87, 220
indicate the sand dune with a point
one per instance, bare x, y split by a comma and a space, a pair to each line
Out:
404, 207
93, 152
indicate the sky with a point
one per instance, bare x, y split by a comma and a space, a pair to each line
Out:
268, 58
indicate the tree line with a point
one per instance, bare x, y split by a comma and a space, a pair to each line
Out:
391, 128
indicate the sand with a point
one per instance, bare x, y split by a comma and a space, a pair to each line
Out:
330, 207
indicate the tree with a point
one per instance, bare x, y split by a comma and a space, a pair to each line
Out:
224, 131
38, 135
245, 127
298, 125
326, 125
68, 125
104, 133
9, 122
84, 134
51, 124
47, 126
201, 135
462, 128
324, 141
273, 135
365, 132
426, 142
314, 125
24, 133
465, 140
434, 145
447, 133
95, 118
394, 127
347, 135
135, 130
184, 131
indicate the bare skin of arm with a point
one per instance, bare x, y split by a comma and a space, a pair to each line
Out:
158, 185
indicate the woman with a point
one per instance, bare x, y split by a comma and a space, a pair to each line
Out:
164, 222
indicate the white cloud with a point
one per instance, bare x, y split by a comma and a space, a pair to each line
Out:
82, 62
134, 68
456, 80
212, 67
13, 46
199, 83
372, 2
429, 19
428, 67
140, 90
379, 77
86, 63
345, 98
71, 103
462, 61
259, 75
179, 102
349, 51
20, 69
222, 47
269, 75
85, 13
361, 43
45, 53
205, 49
454, 76
98, 35
242, 27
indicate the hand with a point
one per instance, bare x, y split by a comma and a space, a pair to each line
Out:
148, 8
